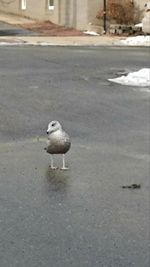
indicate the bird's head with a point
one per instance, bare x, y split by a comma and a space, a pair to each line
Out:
53, 126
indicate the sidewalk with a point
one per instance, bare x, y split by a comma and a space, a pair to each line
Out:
102, 40
60, 41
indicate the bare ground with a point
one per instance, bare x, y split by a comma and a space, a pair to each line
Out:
48, 28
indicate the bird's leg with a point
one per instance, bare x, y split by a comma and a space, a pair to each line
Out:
52, 164
63, 161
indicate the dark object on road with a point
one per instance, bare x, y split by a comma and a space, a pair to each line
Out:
132, 186
58, 142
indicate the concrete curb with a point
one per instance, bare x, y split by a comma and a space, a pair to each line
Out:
60, 41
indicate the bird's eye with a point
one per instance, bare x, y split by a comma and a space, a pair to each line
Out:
53, 124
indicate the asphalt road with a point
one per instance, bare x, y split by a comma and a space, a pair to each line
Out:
82, 217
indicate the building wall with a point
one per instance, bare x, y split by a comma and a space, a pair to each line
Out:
12, 7
36, 11
66, 12
40, 11
93, 7
82, 15
72, 13
140, 3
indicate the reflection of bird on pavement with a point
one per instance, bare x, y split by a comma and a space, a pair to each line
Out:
58, 142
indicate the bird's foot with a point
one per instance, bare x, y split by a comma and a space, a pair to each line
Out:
53, 167
64, 168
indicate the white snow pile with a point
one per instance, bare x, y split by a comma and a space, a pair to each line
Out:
136, 40
91, 33
8, 43
139, 25
138, 78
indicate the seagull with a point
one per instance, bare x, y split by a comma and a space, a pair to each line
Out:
58, 142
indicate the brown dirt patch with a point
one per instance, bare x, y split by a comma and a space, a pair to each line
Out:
48, 28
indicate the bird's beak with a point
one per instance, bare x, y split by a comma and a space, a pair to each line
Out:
47, 132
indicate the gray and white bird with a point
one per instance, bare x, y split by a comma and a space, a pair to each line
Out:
58, 142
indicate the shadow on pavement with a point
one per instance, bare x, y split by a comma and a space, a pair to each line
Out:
56, 180
11, 30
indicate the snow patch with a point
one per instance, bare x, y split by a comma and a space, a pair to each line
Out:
137, 40
91, 33
139, 78
139, 25
11, 43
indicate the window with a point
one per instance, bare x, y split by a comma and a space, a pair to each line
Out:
23, 4
50, 4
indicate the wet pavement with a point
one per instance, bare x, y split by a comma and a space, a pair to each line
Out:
7, 29
80, 217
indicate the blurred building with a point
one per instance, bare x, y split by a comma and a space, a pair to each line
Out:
72, 13
146, 19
